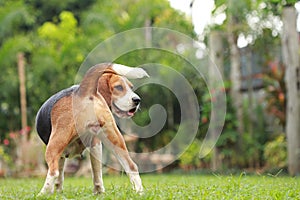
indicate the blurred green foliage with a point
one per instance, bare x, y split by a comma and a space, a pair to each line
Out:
275, 153
56, 36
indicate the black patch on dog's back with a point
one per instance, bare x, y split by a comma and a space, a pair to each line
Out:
43, 117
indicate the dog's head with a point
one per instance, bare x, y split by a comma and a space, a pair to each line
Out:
113, 85
118, 94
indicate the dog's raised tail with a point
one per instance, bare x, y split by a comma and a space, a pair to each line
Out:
129, 72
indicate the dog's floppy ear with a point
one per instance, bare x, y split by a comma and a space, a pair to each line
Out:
89, 83
103, 87
129, 72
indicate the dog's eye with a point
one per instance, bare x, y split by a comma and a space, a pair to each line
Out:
119, 87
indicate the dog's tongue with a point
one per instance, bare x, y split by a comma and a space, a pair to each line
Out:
131, 112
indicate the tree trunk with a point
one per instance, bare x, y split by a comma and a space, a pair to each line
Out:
216, 55
235, 75
23, 104
19, 150
290, 52
254, 160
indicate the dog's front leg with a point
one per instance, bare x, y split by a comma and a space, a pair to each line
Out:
113, 139
60, 180
96, 157
130, 168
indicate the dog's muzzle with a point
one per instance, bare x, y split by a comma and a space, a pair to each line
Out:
136, 101
129, 113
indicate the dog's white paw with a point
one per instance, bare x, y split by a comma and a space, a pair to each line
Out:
136, 182
45, 191
98, 190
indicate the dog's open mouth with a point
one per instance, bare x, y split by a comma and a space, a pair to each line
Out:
121, 113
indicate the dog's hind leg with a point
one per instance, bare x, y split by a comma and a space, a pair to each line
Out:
54, 151
60, 179
52, 159
96, 157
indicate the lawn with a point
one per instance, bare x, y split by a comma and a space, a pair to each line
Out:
168, 186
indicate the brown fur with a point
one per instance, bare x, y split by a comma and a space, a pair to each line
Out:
86, 110
90, 80
59, 139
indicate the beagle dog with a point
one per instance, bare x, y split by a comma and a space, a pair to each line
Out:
81, 117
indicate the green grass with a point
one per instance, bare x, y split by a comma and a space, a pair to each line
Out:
162, 187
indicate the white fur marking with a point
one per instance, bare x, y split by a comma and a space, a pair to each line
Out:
96, 152
49, 183
136, 181
129, 72
125, 103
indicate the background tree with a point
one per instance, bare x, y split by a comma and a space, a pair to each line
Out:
215, 43
290, 51
262, 44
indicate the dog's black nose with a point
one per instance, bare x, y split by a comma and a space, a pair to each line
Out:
136, 100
